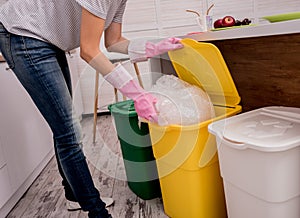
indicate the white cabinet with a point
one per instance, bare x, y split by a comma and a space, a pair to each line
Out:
5, 186
2, 160
26, 140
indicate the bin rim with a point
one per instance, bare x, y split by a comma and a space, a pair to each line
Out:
123, 108
226, 129
175, 127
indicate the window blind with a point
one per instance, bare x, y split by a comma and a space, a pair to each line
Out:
164, 16
140, 15
271, 7
169, 17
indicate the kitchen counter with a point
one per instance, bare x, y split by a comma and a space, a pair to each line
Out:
255, 30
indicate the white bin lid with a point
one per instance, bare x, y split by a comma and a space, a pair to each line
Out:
265, 129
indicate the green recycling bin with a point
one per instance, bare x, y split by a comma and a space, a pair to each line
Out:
136, 146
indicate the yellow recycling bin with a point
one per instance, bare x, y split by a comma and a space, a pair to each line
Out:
186, 156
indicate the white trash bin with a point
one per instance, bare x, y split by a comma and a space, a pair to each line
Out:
259, 154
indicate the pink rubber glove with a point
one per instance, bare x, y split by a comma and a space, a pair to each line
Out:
141, 49
161, 47
143, 101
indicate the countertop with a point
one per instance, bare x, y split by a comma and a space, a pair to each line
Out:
255, 30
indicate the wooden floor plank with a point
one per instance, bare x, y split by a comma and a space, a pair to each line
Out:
151, 208
31, 193
46, 197
126, 202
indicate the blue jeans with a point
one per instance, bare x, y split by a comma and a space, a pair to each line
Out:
43, 71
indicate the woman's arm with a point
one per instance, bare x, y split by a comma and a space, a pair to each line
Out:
138, 49
92, 28
114, 41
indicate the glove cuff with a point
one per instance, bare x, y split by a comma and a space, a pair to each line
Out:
137, 50
118, 77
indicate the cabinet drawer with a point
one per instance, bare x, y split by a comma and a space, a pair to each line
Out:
5, 186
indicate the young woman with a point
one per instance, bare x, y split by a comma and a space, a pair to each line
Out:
34, 36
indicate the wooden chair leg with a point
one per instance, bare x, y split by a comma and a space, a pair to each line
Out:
95, 106
116, 94
137, 71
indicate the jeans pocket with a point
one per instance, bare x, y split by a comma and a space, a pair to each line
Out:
5, 48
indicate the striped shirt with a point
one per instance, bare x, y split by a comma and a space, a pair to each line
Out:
56, 21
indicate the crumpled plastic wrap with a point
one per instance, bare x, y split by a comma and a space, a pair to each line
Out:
179, 102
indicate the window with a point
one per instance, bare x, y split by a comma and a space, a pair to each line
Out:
163, 18
160, 18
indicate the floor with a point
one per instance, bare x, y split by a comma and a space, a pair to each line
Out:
45, 198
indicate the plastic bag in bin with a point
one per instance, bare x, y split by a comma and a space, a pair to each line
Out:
181, 103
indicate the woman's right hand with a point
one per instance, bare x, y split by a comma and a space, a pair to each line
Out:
144, 102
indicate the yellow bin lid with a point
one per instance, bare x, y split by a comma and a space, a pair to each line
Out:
202, 64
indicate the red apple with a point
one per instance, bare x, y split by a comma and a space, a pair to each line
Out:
228, 21
218, 23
